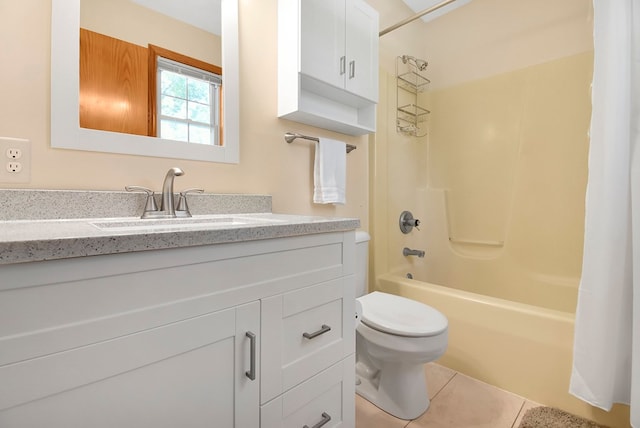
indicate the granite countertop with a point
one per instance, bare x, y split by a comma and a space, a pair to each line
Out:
37, 239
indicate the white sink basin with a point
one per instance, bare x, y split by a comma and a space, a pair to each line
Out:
195, 222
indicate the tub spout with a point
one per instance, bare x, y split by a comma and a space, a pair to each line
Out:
409, 252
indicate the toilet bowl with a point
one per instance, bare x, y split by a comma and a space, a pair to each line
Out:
395, 337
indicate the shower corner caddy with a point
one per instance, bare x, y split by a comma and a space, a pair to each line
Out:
410, 117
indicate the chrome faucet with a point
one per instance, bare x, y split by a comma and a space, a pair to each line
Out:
168, 207
409, 252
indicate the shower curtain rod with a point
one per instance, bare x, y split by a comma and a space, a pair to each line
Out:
414, 17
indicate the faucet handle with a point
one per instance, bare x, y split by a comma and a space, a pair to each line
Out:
407, 222
182, 209
150, 205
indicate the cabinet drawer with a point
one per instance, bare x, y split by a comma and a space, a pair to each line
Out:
328, 396
304, 332
308, 331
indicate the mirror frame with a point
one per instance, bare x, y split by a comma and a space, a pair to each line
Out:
66, 132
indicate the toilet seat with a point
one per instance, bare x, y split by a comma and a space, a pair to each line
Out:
400, 316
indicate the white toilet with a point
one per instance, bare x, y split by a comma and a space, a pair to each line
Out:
395, 337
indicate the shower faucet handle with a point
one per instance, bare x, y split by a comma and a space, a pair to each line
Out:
407, 222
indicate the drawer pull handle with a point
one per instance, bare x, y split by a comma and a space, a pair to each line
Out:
325, 418
251, 374
325, 328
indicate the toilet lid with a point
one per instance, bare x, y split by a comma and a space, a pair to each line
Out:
401, 316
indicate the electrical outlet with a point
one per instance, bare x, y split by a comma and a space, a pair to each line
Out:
14, 167
15, 154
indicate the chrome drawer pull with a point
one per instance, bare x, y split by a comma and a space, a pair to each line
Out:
251, 374
325, 418
325, 328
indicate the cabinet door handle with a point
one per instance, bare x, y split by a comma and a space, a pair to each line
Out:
352, 69
325, 328
325, 418
343, 64
251, 374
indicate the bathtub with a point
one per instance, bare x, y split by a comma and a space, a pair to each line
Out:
518, 347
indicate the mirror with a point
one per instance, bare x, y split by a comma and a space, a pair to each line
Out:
66, 132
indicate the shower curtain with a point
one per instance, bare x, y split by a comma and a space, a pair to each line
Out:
606, 363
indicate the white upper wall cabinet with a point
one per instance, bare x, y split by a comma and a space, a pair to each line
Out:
362, 49
322, 40
328, 64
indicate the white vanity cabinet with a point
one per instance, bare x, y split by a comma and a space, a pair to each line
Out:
328, 64
208, 336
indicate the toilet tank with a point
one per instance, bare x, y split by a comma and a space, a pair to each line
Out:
362, 263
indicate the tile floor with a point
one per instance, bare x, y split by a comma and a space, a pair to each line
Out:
457, 401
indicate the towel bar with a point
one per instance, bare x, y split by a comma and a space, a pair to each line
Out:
290, 136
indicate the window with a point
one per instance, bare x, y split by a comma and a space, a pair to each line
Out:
188, 103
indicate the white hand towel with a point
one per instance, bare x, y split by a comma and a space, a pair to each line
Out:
330, 172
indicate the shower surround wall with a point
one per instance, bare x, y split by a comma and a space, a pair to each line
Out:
499, 186
498, 183
508, 157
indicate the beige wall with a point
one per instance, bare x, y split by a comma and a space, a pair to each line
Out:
128, 21
488, 37
267, 164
